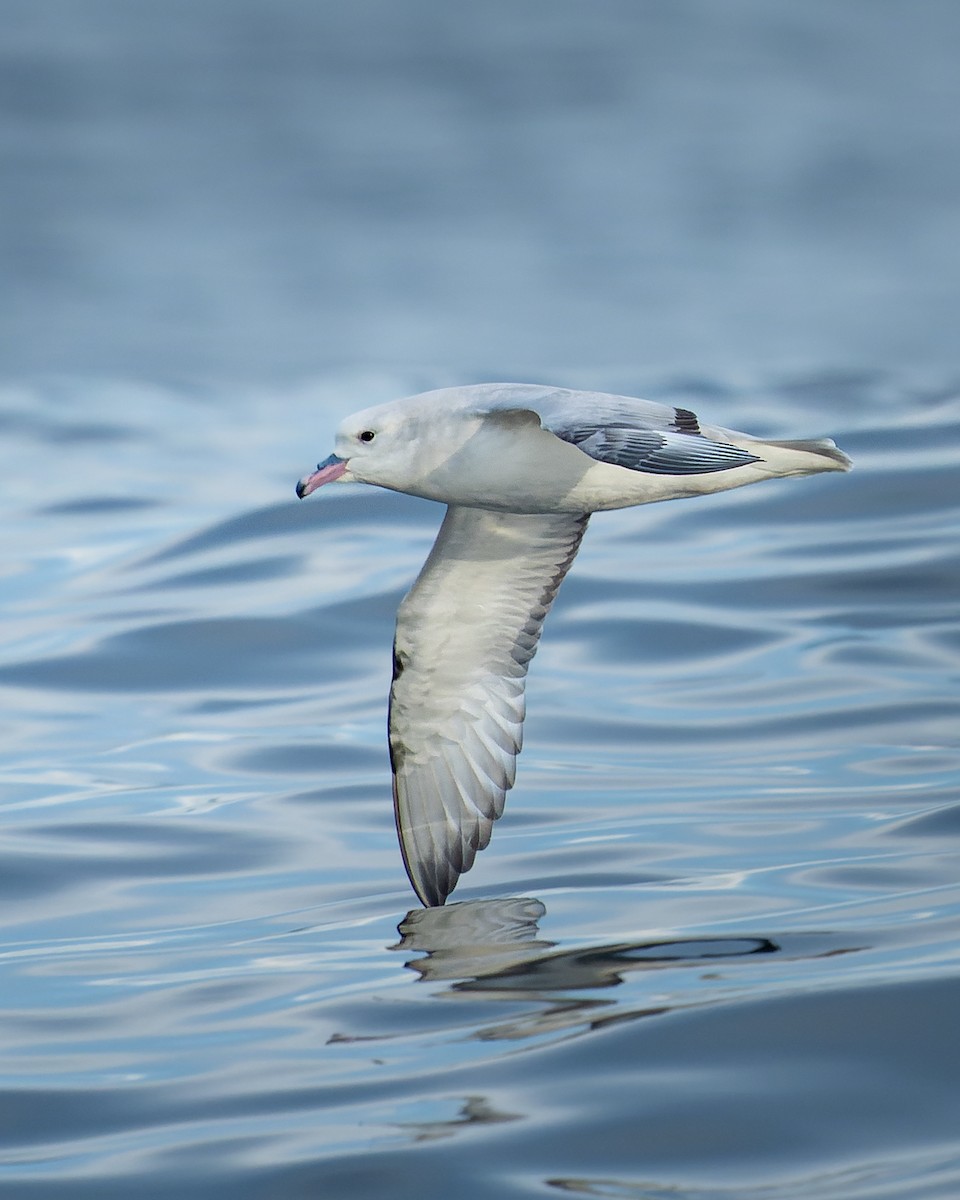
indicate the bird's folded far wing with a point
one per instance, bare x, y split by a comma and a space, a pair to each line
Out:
640, 435
465, 636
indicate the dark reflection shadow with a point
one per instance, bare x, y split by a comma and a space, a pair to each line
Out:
475, 1110
493, 945
490, 949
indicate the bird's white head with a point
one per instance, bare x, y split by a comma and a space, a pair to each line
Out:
400, 445
373, 446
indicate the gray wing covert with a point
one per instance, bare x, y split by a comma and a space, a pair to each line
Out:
466, 633
654, 451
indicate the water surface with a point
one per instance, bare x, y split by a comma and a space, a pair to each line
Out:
712, 950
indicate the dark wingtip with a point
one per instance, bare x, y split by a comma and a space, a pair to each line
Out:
430, 892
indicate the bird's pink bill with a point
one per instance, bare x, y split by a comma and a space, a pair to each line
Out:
330, 469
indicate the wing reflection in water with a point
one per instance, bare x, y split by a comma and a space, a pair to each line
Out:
490, 949
474, 940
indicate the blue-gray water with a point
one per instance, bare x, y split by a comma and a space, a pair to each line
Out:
733, 969
713, 951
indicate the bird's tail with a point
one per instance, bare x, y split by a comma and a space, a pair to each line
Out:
824, 453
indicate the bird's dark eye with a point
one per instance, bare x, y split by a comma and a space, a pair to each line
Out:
367, 435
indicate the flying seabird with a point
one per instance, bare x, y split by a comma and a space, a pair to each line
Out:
521, 468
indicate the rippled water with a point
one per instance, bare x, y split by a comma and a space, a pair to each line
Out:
712, 950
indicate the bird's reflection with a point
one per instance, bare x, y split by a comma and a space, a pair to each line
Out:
491, 949
493, 944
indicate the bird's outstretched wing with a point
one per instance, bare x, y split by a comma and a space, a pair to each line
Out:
466, 633
640, 435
